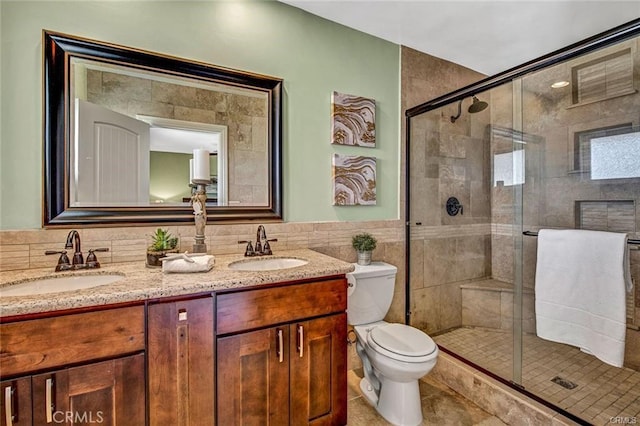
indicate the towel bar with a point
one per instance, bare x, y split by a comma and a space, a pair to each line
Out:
535, 234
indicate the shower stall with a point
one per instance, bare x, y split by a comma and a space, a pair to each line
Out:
554, 143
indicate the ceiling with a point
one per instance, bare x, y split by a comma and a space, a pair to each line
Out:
486, 36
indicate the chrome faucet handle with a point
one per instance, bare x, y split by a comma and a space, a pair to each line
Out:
92, 260
266, 249
249, 250
103, 249
63, 260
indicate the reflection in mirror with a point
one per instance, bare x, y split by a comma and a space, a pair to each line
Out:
123, 119
134, 120
172, 145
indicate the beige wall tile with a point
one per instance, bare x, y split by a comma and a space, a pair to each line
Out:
481, 308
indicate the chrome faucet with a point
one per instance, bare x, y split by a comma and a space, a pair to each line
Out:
261, 235
262, 247
73, 242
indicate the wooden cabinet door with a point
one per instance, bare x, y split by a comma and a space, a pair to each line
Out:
253, 378
319, 371
109, 392
181, 363
15, 407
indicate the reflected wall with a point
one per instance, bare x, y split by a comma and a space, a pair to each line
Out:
244, 113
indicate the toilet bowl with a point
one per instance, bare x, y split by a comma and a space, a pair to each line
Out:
394, 356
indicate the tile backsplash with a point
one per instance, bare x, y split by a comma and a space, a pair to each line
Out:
24, 249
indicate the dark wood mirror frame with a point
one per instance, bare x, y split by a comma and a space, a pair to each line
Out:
58, 51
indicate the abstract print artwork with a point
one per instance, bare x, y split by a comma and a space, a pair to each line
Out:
354, 180
353, 120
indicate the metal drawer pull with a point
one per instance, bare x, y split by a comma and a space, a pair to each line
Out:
301, 340
49, 400
8, 405
280, 349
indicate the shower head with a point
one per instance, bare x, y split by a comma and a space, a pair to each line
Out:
477, 105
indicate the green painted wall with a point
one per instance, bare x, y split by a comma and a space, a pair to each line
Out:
312, 55
169, 176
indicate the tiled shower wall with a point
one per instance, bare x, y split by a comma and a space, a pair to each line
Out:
554, 194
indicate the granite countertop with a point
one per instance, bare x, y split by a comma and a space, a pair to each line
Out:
141, 283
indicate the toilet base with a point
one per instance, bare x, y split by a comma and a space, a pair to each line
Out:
368, 392
399, 402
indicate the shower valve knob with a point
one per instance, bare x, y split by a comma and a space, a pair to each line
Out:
453, 206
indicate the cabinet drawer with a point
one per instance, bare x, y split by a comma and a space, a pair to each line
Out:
39, 344
245, 310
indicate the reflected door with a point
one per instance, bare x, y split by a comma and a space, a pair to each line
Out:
111, 166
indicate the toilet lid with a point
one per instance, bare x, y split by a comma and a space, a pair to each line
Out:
403, 340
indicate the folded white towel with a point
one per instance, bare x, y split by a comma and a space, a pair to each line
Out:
581, 278
187, 263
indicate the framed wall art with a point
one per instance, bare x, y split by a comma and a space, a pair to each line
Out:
353, 120
354, 180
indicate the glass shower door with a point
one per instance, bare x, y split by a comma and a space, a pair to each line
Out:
460, 228
582, 173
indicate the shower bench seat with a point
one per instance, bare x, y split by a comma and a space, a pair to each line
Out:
489, 303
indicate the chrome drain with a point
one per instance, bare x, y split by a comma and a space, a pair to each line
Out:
567, 384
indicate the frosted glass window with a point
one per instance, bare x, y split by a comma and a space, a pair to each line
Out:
582, 153
508, 168
616, 157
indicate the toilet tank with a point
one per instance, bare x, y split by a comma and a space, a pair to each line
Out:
370, 292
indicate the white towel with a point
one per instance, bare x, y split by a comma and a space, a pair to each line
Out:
187, 263
581, 277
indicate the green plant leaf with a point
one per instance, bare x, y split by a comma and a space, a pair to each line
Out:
364, 242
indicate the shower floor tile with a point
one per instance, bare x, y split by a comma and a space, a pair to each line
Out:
604, 394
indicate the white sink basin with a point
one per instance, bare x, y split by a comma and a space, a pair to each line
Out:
267, 263
58, 284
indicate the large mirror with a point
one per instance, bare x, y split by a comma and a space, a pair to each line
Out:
121, 126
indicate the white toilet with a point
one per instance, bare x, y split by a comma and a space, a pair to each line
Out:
394, 356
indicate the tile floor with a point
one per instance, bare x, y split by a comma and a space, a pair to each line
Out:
603, 394
440, 406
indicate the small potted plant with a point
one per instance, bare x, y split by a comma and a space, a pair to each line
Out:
163, 243
364, 244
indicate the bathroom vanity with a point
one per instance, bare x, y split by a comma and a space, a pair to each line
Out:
263, 347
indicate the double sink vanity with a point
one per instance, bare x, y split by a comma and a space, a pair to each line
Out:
253, 341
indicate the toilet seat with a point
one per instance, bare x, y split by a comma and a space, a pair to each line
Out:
401, 342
